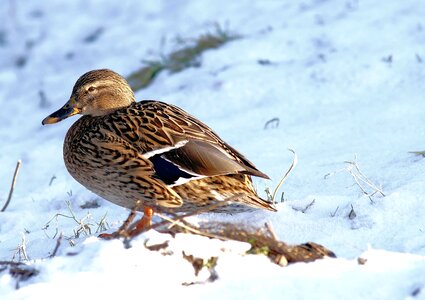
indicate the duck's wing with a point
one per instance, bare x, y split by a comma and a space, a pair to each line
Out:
116, 160
165, 133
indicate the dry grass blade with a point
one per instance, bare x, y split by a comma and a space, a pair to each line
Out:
178, 60
83, 225
421, 153
367, 187
361, 179
294, 163
366, 180
21, 250
12, 187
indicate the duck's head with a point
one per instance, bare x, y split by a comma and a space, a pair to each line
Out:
96, 93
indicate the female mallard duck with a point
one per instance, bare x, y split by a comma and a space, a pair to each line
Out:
150, 151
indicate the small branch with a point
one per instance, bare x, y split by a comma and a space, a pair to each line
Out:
12, 187
190, 228
58, 243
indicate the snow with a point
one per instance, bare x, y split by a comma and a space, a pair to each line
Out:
345, 79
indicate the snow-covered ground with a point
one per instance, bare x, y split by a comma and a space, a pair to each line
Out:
344, 78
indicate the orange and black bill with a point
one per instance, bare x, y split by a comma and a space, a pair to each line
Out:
66, 111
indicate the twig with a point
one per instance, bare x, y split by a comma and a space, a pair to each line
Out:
189, 228
58, 243
294, 163
12, 187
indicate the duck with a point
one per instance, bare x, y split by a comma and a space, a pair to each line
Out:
149, 155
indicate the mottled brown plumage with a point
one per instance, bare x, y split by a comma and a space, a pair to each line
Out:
150, 151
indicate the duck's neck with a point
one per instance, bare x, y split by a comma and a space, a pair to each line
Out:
103, 108
108, 111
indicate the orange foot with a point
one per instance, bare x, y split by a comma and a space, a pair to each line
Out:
136, 228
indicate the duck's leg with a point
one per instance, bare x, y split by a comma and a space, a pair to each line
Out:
123, 230
143, 223
139, 226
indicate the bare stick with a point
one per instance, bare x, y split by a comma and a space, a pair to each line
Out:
294, 163
12, 187
191, 229
58, 243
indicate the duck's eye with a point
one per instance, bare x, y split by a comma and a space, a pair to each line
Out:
91, 89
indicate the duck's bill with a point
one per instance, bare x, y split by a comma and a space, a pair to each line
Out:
63, 113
